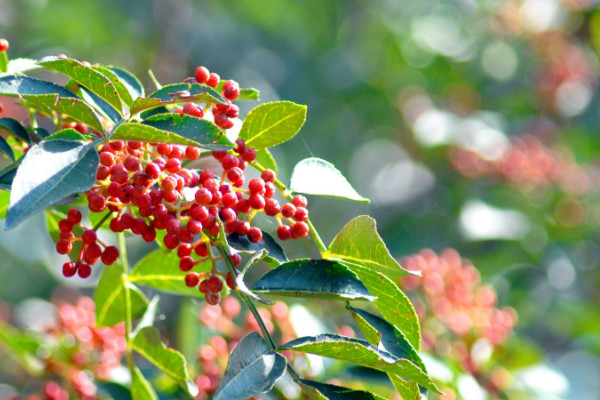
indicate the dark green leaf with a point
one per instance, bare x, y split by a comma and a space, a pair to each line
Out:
7, 176
50, 171
174, 128
101, 106
239, 280
319, 177
147, 342
325, 391
252, 369
42, 133
140, 387
69, 134
266, 159
273, 123
392, 340
360, 352
110, 297
5, 148
87, 77
313, 278
130, 81
395, 307
122, 90
16, 85
13, 126
4, 198
358, 242
242, 243
22, 347
177, 93
160, 270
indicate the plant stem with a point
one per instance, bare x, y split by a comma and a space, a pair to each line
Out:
246, 300
128, 319
99, 224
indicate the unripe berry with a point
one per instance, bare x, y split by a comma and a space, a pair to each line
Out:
202, 74
84, 270
69, 269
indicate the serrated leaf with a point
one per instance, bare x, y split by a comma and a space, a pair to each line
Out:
75, 108
109, 297
391, 340
22, 347
408, 390
148, 343
5, 148
122, 90
252, 369
313, 278
174, 128
358, 242
16, 128
395, 307
273, 123
69, 134
4, 198
130, 81
242, 243
266, 159
239, 280
160, 270
87, 77
140, 387
50, 171
360, 352
99, 105
326, 391
321, 178
16, 85
177, 93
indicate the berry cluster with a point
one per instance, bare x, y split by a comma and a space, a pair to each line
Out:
452, 293
148, 187
92, 248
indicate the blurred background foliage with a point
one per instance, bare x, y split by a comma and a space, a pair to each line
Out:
470, 124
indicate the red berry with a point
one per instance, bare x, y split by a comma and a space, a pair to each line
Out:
301, 214
184, 249
120, 176
230, 161
102, 173
64, 246
170, 196
65, 225
204, 286
194, 227
173, 165
300, 229
131, 164
213, 80
192, 153
212, 298
89, 236
193, 109
69, 269
227, 215
186, 263
235, 174
269, 189
203, 196
284, 232
110, 255
192, 279
152, 170
201, 249
256, 201
223, 107
219, 155
268, 175
149, 234
171, 241
256, 185
249, 154
272, 207
300, 201
127, 220
231, 91
254, 235
202, 74
66, 235
186, 236
288, 210
221, 119
117, 146
229, 279
84, 270
92, 253
242, 227
4, 45
236, 259
107, 159
199, 213
81, 127
233, 112
215, 284
134, 145
169, 183
240, 145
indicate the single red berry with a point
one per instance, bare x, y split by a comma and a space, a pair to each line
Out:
235, 174
284, 232
4, 45
201, 249
89, 236
184, 249
269, 190
186, 263
110, 255
193, 109
186, 236
199, 213
66, 235
229, 279
84, 270
268, 175
233, 112
120, 176
173, 165
300, 201
215, 284
256, 201
134, 145
204, 286
102, 173
230, 161
301, 214
213, 80
177, 151
300, 229
236, 259
170, 196
194, 227
223, 107
203, 196
169, 183
171, 241
115, 225
192, 279
64, 246
240, 145
172, 225
149, 235
81, 128
227, 215
254, 235
127, 220
65, 225
272, 207
202, 74
107, 159
192, 153
92, 253
117, 146
288, 210
152, 170
69, 269
212, 298
242, 227
131, 164
231, 91
256, 185
249, 154
221, 119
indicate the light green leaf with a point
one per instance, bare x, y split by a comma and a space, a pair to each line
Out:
266, 159
319, 177
358, 242
23, 348
177, 93
273, 123
122, 90
4, 198
69, 134
140, 387
408, 390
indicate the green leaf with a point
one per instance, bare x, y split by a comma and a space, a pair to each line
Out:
395, 307
248, 94
160, 270
69, 134
130, 81
49, 172
174, 128
149, 315
110, 297
4, 198
147, 342
358, 242
239, 280
23, 348
140, 387
266, 159
120, 87
99, 105
87, 77
319, 177
7, 176
5, 148
391, 340
360, 352
3, 62
177, 93
242, 243
313, 278
252, 369
13, 126
408, 390
75, 108
273, 123
325, 391
17, 85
